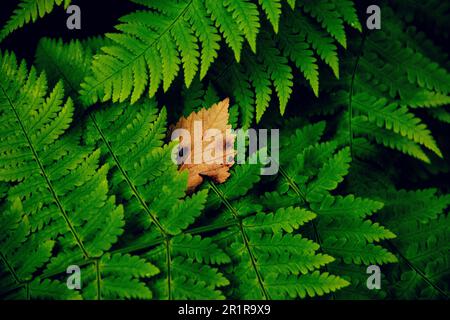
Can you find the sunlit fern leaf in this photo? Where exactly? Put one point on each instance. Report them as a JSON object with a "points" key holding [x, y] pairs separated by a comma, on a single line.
{"points": [[298, 50], [348, 13], [22, 253], [154, 195], [147, 48], [159, 210], [272, 8], [395, 118], [301, 39], [280, 72], [55, 174], [260, 258], [387, 138], [246, 15]]}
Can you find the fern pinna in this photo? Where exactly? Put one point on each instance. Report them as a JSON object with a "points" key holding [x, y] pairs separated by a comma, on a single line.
{"points": [[86, 177]]}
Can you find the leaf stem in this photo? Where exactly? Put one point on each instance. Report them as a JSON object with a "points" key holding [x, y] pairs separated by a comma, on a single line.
{"points": [[244, 238], [47, 179]]}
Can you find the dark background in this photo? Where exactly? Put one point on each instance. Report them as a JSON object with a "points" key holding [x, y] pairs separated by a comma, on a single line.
{"points": [[97, 18]]}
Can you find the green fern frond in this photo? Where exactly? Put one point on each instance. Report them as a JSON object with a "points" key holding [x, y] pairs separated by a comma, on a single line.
{"points": [[54, 171], [272, 8], [341, 227], [329, 17], [147, 49], [118, 277], [29, 11], [67, 61], [149, 52], [420, 218], [363, 127]]}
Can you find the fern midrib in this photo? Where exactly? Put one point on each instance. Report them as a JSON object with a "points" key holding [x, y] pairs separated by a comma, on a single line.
{"points": [[27, 290], [169, 269], [98, 279], [47, 179], [134, 248], [417, 270], [127, 178], [10, 268], [168, 29], [115, 158], [350, 98], [300, 194], [244, 238]]}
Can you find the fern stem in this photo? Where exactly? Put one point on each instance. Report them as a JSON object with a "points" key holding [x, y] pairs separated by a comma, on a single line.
{"points": [[299, 193], [293, 185], [225, 200], [129, 249], [253, 261], [47, 179], [127, 178], [211, 227], [302, 196], [350, 95], [417, 270], [244, 238], [116, 160], [98, 278], [27, 290], [10, 268], [169, 269]]}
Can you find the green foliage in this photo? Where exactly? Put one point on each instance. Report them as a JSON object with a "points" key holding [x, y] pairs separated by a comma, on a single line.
{"points": [[92, 184], [420, 218], [151, 42], [394, 78], [29, 11]]}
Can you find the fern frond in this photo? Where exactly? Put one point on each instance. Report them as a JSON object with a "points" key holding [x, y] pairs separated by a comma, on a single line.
{"points": [[118, 277], [341, 227], [147, 49], [420, 218], [29, 11], [329, 17], [307, 285], [67, 61], [363, 127], [272, 8], [246, 15], [61, 182]]}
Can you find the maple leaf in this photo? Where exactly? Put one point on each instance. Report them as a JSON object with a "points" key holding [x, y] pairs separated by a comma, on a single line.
{"points": [[206, 144]]}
